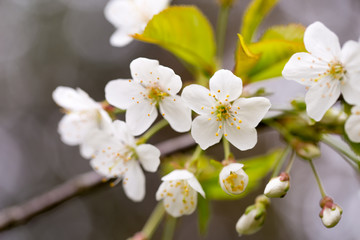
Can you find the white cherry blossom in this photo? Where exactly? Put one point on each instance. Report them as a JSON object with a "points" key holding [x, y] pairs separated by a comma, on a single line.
{"points": [[119, 157], [130, 17], [352, 125], [179, 192], [83, 117], [152, 86], [233, 179], [222, 112], [327, 70]]}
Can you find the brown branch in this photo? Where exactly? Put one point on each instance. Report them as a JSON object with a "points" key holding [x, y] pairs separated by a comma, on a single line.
{"points": [[80, 185]]}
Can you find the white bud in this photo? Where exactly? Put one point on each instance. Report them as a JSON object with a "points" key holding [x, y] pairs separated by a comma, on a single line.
{"points": [[330, 216], [233, 179], [251, 221], [278, 186]]}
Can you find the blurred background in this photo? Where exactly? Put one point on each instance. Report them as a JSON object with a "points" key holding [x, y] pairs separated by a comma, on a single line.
{"points": [[47, 43]]}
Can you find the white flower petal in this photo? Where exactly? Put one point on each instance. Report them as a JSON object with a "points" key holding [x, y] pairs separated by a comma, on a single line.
{"points": [[206, 132], [179, 198], [121, 37], [139, 117], [73, 127], [107, 162], [153, 7], [144, 70], [121, 13], [351, 93], [243, 138], [321, 97], [160, 192], [149, 157], [123, 93], [178, 175], [321, 42], [251, 110], [225, 85], [168, 80], [194, 183], [134, 181], [350, 56], [73, 100], [122, 133], [304, 68], [233, 179], [352, 125], [176, 113], [198, 99], [93, 141]]}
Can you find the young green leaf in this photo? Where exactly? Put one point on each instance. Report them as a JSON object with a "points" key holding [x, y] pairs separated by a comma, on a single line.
{"points": [[185, 32], [254, 15], [245, 60]]}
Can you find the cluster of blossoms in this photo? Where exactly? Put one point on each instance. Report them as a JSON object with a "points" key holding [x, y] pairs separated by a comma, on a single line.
{"points": [[327, 71], [116, 154], [222, 114]]}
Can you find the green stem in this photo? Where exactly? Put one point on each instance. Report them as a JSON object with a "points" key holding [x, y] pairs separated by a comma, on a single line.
{"points": [[153, 221], [321, 188], [344, 150], [281, 161], [221, 31], [169, 229], [226, 148], [291, 161], [154, 129]]}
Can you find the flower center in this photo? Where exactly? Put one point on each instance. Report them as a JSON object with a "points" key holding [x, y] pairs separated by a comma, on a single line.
{"points": [[223, 112], [337, 70], [234, 183], [156, 95]]}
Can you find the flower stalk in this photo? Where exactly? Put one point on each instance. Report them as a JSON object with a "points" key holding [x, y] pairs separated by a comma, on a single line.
{"points": [[153, 130], [169, 229], [344, 150], [227, 152], [153, 221], [221, 31], [281, 161], [321, 188]]}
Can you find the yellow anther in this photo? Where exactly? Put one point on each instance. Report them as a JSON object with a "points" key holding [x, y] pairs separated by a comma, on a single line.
{"points": [[216, 134], [218, 91], [238, 127]]}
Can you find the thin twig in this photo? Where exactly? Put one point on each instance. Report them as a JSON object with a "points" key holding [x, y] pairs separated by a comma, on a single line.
{"points": [[80, 185]]}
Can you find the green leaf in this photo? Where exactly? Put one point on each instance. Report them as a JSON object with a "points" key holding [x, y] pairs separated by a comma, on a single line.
{"points": [[245, 60], [256, 168], [292, 32], [185, 32], [203, 213], [254, 15], [266, 59], [274, 55]]}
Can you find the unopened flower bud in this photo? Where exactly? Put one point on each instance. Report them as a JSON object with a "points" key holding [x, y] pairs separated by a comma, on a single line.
{"points": [[233, 179], [278, 186], [308, 150], [251, 221], [331, 213]]}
